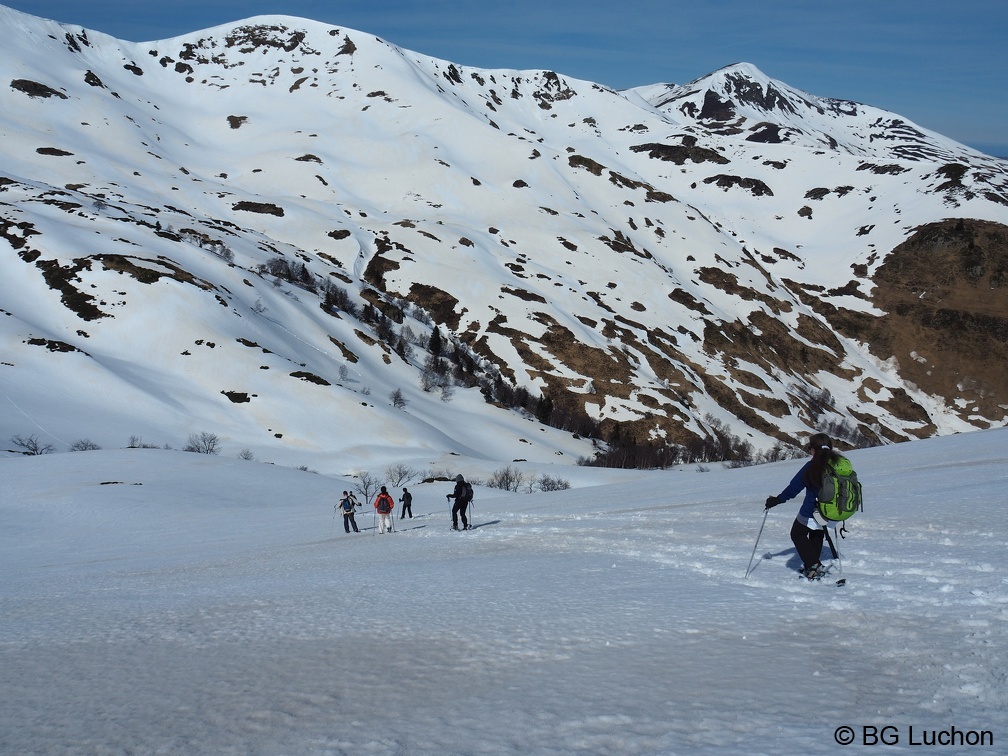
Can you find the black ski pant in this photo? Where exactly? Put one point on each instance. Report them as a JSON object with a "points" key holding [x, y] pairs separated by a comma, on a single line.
{"points": [[808, 542], [406, 508], [460, 509], [348, 520]]}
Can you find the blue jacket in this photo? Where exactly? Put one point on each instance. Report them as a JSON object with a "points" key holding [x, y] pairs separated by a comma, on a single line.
{"points": [[794, 488]]}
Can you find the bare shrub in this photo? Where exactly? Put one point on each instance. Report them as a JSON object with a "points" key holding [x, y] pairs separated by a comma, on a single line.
{"points": [[441, 475], [84, 444], [203, 443], [548, 483], [420, 315], [435, 373], [508, 478], [779, 453], [844, 430], [818, 401]]}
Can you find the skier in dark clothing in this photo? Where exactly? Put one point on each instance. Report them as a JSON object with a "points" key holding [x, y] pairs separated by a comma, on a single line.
{"points": [[807, 532], [462, 495], [407, 504], [348, 504]]}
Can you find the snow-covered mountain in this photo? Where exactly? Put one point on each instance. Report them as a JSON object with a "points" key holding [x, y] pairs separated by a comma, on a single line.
{"points": [[253, 229]]}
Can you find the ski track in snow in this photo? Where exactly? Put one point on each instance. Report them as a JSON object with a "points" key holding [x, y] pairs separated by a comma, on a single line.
{"points": [[193, 605]]}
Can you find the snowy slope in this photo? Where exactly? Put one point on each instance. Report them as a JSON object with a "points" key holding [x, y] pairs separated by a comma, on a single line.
{"points": [[161, 602], [635, 254]]}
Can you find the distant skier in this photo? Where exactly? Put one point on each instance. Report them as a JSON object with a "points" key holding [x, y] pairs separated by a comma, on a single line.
{"points": [[462, 495], [348, 504], [807, 533], [385, 506], [407, 504]]}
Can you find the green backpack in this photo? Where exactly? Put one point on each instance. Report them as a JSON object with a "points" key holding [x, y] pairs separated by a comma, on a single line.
{"points": [[840, 495]]}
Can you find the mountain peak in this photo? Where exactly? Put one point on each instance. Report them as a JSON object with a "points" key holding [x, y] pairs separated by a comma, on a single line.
{"points": [[741, 86], [742, 68]]}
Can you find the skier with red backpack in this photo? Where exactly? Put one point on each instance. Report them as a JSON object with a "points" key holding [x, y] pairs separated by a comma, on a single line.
{"points": [[384, 505]]}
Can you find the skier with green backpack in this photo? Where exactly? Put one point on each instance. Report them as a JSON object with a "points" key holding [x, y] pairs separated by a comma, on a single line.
{"points": [[832, 494]]}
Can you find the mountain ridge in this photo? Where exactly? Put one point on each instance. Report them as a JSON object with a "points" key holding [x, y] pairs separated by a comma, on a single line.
{"points": [[666, 260]]}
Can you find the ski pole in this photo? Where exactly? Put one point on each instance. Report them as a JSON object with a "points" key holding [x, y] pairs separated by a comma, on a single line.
{"points": [[756, 545], [332, 525], [833, 549]]}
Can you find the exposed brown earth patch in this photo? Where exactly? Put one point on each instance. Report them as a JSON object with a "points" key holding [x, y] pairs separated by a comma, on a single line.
{"points": [[347, 354], [53, 345], [440, 304], [266, 208], [62, 278], [380, 263], [35, 89], [679, 154], [944, 294], [134, 267], [310, 377], [528, 296]]}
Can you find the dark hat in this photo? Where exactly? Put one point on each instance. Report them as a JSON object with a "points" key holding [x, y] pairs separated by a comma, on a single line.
{"points": [[459, 478], [820, 441]]}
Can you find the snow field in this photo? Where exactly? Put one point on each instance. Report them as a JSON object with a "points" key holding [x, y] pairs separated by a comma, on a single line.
{"points": [[158, 601]]}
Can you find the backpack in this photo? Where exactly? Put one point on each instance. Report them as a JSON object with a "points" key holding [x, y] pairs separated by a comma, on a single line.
{"points": [[385, 504], [347, 505], [840, 495], [468, 492]]}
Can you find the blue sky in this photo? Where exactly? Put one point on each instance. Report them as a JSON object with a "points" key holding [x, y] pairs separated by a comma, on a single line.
{"points": [[941, 64]]}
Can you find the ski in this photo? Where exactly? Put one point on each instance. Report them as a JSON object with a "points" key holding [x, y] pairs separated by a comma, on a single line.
{"points": [[839, 583], [818, 577]]}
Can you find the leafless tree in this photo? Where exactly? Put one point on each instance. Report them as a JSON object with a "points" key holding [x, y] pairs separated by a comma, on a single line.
{"points": [[32, 445], [397, 399], [399, 474], [367, 486]]}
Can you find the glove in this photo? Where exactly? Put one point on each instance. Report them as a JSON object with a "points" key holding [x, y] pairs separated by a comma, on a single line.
{"points": [[772, 501]]}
